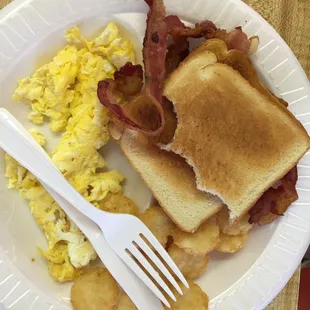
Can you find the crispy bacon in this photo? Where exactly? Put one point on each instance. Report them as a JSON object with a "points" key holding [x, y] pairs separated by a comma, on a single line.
{"points": [[238, 40], [129, 80], [275, 201], [174, 22], [154, 52], [219, 34], [177, 29], [144, 112], [179, 49], [177, 52], [289, 182]]}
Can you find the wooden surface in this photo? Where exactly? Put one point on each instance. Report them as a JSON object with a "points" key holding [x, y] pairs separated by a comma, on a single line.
{"points": [[288, 298], [291, 18]]}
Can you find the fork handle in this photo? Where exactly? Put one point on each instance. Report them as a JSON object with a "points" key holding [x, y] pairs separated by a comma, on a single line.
{"points": [[16, 143]]}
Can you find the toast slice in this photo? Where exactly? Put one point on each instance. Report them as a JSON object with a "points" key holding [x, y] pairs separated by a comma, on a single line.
{"points": [[238, 141], [238, 61], [171, 180]]}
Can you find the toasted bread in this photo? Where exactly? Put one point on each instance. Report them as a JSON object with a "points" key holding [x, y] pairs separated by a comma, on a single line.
{"points": [[238, 140], [238, 61], [171, 181]]}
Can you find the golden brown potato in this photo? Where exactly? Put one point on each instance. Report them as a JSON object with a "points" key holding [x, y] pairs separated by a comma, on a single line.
{"points": [[237, 228], [158, 222], [192, 266], [125, 303], [95, 289], [201, 242], [118, 203], [231, 244], [193, 299]]}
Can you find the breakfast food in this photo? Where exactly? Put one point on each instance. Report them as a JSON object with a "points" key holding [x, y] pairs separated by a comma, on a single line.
{"points": [[68, 249], [147, 114], [64, 92], [145, 111], [192, 266], [158, 222], [203, 241], [276, 200], [193, 298], [171, 181], [239, 61], [48, 91], [118, 203], [211, 135], [239, 227], [217, 137], [231, 244], [231, 117], [125, 303], [226, 50], [95, 289], [229, 48]]}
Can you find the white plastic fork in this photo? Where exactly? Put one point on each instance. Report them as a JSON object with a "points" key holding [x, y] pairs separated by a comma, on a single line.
{"points": [[122, 232], [141, 295]]}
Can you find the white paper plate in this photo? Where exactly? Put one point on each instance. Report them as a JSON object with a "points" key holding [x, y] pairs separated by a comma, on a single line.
{"points": [[31, 31]]}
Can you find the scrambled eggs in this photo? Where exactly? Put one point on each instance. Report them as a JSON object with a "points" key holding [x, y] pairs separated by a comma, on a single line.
{"points": [[65, 92]]}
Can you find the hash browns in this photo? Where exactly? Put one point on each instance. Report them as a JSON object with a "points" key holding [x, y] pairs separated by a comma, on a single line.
{"points": [[95, 289], [203, 241]]}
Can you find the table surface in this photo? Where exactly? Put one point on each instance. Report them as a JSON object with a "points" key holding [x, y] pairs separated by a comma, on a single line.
{"points": [[291, 18]]}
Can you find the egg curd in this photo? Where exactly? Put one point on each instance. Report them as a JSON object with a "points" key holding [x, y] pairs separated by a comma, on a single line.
{"points": [[64, 93]]}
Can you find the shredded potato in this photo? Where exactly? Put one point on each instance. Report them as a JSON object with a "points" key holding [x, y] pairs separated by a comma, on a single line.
{"points": [[233, 229], [95, 289], [203, 241], [158, 222], [118, 203], [125, 303], [192, 299], [231, 244], [191, 266]]}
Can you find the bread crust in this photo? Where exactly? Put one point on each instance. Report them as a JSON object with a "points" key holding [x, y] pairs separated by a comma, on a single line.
{"points": [[238, 141], [171, 180]]}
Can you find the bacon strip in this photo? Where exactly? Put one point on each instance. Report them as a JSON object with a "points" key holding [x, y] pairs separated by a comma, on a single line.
{"points": [[129, 80], [155, 49], [144, 112], [238, 40], [177, 29], [174, 22], [275, 201], [177, 52]]}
